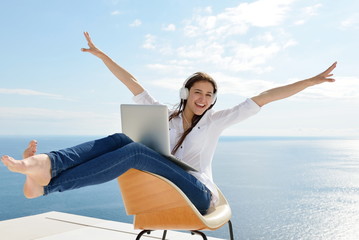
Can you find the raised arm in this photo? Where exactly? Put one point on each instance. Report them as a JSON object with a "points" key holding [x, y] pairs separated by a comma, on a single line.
{"points": [[125, 77], [291, 89]]}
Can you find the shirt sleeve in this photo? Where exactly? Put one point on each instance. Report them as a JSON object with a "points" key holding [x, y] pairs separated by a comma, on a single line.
{"points": [[145, 98], [236, 114]]}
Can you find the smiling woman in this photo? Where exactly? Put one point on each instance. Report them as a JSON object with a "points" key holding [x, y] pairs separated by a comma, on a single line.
{"points": [[198, 94], [194, 132]]}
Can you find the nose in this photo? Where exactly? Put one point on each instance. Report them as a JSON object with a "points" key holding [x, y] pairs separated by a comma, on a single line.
{"points": [[202, 98]]}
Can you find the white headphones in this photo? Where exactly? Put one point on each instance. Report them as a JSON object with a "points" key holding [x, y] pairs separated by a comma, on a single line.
{"points": [[184, 92]]}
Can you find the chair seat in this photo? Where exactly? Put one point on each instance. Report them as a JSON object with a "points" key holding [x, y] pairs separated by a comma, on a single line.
{"points": [[157, 203]]}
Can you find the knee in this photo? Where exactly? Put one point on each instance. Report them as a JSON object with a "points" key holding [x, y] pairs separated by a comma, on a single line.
{"points": [[121, 138], [135, 147]]}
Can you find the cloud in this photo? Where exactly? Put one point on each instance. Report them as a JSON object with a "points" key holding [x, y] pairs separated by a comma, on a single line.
{"points": [[149, 42], [290, 43], [249, 57], [350, 22], [300, 22], [136, 23], [29, 92], [114, 13], [312, 10], [216, 40], [169, 27], [266, 37], [307, 13], [242, 57], [241, 86], [166, 68], [239, 19], [345, 87], [260, 13], [170, 83]]}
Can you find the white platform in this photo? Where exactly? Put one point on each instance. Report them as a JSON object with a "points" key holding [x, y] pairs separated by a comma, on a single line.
{"points": [[64, 226]]}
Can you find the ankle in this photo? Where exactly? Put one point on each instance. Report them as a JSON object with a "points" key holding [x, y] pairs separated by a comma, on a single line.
{"points": [[32, 189]]}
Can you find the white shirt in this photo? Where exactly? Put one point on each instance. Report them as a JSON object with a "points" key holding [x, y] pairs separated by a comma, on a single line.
{"points": [[198, 147]]}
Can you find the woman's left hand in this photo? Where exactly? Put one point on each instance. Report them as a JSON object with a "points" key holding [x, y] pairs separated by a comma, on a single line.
{"points": [[324, 76], [294, 88]]}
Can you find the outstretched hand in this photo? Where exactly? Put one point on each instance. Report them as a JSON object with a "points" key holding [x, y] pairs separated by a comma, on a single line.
{"points": [[92, 48], [325, 76], [294, 88]]}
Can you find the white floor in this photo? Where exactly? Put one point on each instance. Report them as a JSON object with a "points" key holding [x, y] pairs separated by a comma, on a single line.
{"points": [[64, 226]]}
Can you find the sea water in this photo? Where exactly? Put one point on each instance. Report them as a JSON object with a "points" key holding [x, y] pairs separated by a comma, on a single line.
{"points": [[278, 187]]}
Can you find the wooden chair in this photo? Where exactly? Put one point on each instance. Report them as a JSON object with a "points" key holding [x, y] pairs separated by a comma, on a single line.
{"points": [[158, 204]]}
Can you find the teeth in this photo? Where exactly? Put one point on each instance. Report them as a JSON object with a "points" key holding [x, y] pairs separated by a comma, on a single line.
{"points": [[201, 105]]}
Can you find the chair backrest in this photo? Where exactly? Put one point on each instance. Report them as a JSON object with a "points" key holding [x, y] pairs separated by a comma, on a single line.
{"points": [[159, 204]]}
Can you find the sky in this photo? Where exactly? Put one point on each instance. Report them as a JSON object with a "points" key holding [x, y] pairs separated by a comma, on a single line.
{"points": [[49, 87]]}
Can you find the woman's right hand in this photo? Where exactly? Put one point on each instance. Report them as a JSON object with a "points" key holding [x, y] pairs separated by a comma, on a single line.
{"points": [[92, 48], [122, 74]]}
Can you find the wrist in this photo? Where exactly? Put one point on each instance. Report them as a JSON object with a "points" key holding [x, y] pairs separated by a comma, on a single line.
{"points": [[310, 82], [102, 55]]}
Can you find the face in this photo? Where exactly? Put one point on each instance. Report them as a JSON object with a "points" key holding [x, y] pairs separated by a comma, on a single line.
{"points": [[200, 98]]}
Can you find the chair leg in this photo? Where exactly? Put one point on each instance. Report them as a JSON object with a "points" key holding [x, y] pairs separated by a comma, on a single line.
{"points": [[230, 230], [164, 235], [141, 233], [199, 233], [148, 232], [192, 232]]}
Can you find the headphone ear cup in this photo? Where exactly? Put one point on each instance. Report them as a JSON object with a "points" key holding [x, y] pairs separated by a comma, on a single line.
{"points": [[184, 93]]}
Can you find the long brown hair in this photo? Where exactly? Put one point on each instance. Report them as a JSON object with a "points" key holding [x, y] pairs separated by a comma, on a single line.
{"points": [[197, 77]]}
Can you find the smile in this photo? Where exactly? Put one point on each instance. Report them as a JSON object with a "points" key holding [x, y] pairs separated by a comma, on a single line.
{"points": [[201, 105]]}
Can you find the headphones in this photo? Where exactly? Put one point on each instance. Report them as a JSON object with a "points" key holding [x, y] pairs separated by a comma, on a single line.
{"points": [[184, 92]]}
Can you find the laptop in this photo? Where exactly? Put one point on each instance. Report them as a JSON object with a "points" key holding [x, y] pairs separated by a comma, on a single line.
{"points": [[148, 124]]}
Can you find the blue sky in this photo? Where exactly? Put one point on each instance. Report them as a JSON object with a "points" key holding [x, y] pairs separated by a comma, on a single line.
{"points": [[49, 87]]}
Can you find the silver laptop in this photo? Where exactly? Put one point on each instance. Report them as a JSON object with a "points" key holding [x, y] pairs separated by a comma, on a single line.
{"points": [[148, 124]]}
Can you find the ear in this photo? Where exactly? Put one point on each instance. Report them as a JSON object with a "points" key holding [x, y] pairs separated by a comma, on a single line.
{"points": [[184, 92]]}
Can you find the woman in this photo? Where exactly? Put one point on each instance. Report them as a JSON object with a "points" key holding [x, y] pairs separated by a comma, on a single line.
{"points": [[194, 132]]}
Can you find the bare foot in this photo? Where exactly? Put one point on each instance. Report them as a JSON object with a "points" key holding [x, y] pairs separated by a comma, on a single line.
{"points": [[37, 167], [32, 189], [30, 150]]}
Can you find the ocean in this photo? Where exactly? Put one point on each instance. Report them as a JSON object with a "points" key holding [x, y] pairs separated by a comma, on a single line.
{"points": [[278, 187]]}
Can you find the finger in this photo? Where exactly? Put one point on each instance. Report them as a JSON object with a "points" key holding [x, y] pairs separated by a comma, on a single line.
{"points": [[332, 66], [330, 69], [87, 36], [90, 43]]}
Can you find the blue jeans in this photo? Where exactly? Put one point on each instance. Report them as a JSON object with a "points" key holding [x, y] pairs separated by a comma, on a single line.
{"points": [[105, 159]]}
